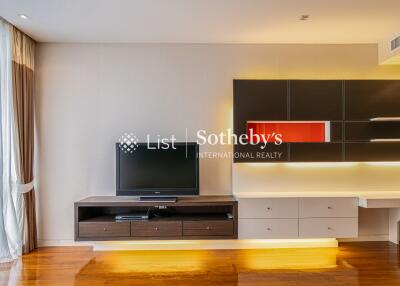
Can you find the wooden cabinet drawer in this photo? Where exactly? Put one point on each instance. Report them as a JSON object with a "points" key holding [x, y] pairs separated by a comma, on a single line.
{"points": [[328, 227], [328, 207], [316, 152], [268, 228], [156, 228], [104, 229], [200, 228], [372, 151], [306, 102], [367, 99], [268, 208]]}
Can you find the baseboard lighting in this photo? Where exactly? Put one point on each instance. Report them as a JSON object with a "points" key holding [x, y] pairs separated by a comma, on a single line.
{"points": [[156, 242], [215, 244], [382, 164], [292, 243]]}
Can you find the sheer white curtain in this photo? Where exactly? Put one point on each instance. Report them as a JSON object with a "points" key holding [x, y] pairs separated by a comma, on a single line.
{"points": [[10, 238]]}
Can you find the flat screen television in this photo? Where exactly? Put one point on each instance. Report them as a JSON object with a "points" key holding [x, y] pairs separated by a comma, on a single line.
{"points": [[158, 172]]}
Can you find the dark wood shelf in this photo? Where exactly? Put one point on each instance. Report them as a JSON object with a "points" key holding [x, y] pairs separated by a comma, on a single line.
{"points": [[129, 201], [175, 217], [202, 217]]}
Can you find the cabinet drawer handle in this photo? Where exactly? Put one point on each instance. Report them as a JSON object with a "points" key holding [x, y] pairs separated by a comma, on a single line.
{"points": [[329, 208], [268, 208], [329, 228], [269, 229], [208, 227], [104, 229], [156, 228]]}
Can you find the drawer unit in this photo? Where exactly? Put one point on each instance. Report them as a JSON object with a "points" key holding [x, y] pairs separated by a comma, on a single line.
{"points": [[328, 207], [268, 208], [268, 228], [192, 217], [208, 228], [156, 228], [328, 227], [104, 229]]}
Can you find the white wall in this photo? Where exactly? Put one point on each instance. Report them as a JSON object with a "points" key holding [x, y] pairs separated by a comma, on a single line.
{"points": [[386, 56], [89, 94], [344, 178]]}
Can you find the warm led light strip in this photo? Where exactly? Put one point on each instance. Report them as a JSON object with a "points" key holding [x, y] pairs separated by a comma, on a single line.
{"points": [[304, 164], [385, 140], [385, 119], [321, 164], [215, 244]]}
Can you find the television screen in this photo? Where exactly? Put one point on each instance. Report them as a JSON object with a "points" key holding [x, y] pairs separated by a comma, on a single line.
{"points": [[158, 172]]}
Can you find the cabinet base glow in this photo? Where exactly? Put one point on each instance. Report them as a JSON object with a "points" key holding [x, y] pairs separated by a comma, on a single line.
{"points": [[215, 244]]}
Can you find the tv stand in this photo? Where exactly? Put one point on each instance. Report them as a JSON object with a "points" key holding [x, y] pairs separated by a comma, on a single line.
{"points": [[158, 199], [201, 217]]}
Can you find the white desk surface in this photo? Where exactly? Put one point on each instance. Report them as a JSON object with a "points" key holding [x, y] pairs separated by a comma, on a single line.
{"points": [[378, 199]]}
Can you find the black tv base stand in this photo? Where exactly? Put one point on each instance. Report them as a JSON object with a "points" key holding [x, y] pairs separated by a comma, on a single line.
{"points": [[159, 199]]}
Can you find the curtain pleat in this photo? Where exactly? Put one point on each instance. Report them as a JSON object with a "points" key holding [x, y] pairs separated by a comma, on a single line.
{"points": [[23, 95], [10, 234], [30, 242]]}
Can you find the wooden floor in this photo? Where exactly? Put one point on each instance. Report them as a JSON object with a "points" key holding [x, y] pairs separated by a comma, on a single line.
{"points": [[375, 263]]}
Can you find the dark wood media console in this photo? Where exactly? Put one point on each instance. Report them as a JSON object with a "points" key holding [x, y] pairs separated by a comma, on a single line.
{"points": [[202, 217]]}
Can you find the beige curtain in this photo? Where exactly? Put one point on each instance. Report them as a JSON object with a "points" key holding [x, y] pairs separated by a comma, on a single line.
{"points": [[23, 95]]}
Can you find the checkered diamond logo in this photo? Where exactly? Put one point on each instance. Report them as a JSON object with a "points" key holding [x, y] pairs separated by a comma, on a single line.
{"points": [[128, 143]]}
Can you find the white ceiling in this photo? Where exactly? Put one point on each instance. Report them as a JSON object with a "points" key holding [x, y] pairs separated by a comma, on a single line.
{"points": [[205, 21]]}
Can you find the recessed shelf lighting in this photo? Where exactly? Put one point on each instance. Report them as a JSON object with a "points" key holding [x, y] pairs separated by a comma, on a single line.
{"points": [[304, 17], [23, 16], [375, 119], [385, 140]]}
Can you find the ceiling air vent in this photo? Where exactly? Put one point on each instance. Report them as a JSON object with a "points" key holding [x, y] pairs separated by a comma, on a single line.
{"points": [[395, 43]]}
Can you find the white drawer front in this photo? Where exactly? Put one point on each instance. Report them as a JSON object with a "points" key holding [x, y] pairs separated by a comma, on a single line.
{"points": [[268, 228], [328, 207], [268, 208], [328, 227]]}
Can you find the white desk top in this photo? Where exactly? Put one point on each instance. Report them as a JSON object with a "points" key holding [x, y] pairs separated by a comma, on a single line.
{"points": [[378, 199]]}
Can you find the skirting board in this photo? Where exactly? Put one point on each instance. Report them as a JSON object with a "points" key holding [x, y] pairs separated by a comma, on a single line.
{"points": [[197, 244], [62, 242], [379, 237]]}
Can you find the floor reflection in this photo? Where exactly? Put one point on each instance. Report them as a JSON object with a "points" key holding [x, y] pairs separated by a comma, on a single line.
{"points": [[246, 267], [10, 273], [350, 265], [164, 267]]}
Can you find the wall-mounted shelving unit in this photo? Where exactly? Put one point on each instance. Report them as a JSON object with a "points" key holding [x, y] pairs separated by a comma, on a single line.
{"points": [[364, 117]]}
